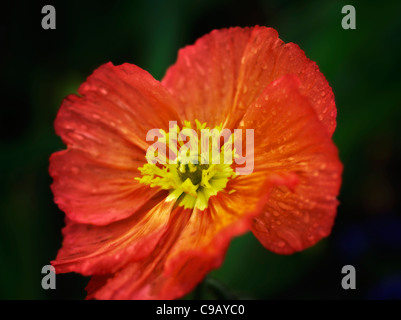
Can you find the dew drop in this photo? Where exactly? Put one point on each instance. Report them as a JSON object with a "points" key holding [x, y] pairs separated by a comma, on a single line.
{"points": [[200, 69], [281, 244], [188, 62], [76, 136], [291, 236], [297, 213]]}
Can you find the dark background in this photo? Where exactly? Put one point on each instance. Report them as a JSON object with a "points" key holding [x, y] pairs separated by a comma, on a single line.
{"points": [[39, 67]]}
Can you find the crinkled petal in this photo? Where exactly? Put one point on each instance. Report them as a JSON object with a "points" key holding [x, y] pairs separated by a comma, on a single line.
{"points": [[123, 101], [105, 130], [195, 243], [90, 249], [290, 140], [139, 280], [216, 79], [89, 191]]}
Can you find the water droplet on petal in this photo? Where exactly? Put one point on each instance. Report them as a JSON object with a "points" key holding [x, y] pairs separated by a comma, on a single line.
{"points": [[76, 136], [291, 236]]}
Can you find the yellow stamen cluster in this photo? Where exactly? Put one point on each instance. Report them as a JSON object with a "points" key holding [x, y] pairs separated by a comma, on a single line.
{"points": [[191, 183]]}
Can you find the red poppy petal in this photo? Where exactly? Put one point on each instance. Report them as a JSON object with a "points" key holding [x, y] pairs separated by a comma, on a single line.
{"points": [[141, 279], [313, 84], [205, 238], [195, 243], [218, 77], [92, 192], [289, 139], [90, 249], [204, 78], [105, 130], [116, 102]]}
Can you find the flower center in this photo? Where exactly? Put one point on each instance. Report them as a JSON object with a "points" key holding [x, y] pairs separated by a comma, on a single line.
{"points": [[191, 171], [194, 170]]}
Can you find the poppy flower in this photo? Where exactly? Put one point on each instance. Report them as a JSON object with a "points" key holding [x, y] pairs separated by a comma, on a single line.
{"points": [[151, 230]]}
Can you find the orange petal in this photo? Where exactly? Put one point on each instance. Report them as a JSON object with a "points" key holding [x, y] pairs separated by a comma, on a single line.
{"points": [[216, 79], [195, 243], [290, 140], [141, 279], [105, 130], [89, 191], [116, 101], [90, 249]]}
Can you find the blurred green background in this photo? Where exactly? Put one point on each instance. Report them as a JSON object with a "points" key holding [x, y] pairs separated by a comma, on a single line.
{"points": [[39, 67]]}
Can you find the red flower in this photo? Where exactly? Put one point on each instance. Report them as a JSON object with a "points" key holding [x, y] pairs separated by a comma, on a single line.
{"points": [[147, 231]]}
